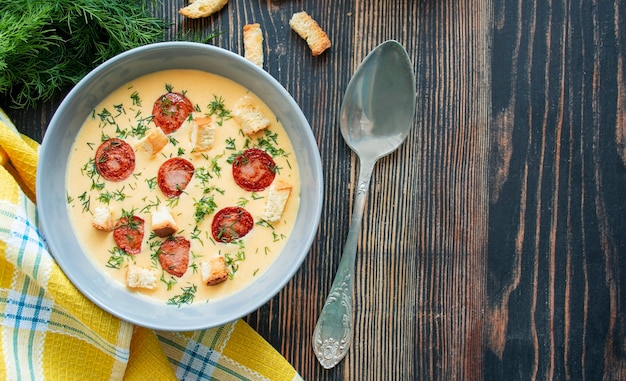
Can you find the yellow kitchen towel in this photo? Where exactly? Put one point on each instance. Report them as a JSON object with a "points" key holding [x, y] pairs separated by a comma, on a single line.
{"points": [[50, 331]]}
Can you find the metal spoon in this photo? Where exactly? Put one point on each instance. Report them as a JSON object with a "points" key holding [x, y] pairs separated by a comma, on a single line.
{"points": [[376, 116]]}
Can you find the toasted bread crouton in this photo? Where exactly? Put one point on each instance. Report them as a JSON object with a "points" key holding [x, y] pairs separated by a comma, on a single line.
{"points": [[253, 44], [276, 200], [163, 224], [249, 117], [202, 8], [154, 142], [310, 31], [141, 277], [103, 219], [214, 271], [202, 134]]}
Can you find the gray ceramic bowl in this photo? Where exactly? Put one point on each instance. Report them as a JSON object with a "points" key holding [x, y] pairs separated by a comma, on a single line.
{"points": [[51, 194]]}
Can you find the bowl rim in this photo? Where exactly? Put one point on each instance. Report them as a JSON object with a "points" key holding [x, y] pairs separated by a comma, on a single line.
{"points": [[138, 309]]}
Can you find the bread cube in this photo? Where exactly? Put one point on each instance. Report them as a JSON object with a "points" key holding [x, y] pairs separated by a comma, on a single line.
{"points": [[141, 277], [214, 271], [202, 134], [103, 219], [163, 223], [154, 142], [276, 200], [249, 117]]}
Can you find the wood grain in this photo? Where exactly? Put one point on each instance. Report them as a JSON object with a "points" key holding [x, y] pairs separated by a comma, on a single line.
{"points": [[493, 240], [556, 301]]}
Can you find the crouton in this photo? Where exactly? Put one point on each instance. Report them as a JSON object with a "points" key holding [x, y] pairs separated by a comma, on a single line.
{"points": [[253, 44], [202, 134], [276, 200], [310, 31], [163, 224], [214, 271], [141, 277], [154, 142], [202, 8], [103, 219], [249, 117]]}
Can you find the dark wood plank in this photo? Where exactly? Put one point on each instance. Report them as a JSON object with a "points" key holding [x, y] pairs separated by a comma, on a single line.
{"points": [[557, 217]]}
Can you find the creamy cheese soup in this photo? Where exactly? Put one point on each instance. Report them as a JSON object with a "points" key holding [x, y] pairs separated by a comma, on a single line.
{"points": [[127, 117]]}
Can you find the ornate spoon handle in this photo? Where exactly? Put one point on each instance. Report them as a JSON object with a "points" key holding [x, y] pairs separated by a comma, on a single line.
{"points": [[333, 333]]}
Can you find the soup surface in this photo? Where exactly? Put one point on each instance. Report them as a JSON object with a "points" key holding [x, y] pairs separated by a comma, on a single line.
{"points": [[216, 194]]}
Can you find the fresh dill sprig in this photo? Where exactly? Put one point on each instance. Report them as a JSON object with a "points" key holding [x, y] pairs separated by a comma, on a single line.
{"points": [[46, 46]]}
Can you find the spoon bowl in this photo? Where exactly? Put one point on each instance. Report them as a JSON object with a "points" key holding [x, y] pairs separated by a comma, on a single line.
{"points": [[378, 108], [376, 117]]}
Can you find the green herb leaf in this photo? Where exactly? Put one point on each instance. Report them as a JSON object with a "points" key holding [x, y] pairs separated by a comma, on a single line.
{"points": [[46, 46], [186, 297], [204, 207]]}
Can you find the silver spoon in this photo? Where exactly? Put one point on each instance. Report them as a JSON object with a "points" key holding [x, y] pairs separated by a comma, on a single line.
{"points": [[376, 116]]}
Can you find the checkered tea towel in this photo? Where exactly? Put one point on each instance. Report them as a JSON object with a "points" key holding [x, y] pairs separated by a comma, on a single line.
{"points": [[50, 331]]}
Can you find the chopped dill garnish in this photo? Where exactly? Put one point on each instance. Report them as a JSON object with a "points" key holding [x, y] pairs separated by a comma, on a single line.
{"points": [[277, 237], [186, 297], [195, 234], [172, 202], [117, 258], [204, 207], [168, 283], [85, 200], [215, 167], [135, 98], [264, 223], [106, 117], [152, 183], [216, 107], [230, 144], [269, 144], [140, 129], [146, 208], [120, 109], [118, 195]]}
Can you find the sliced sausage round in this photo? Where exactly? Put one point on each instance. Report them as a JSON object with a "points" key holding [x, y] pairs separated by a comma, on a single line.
{"points": [[174, 175], [128, 234], [174, 255], [231, 223], [115, 159], [170, 110], [254, 170]]}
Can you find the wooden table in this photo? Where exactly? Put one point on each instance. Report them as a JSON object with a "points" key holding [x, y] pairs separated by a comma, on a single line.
{"points": [[493, 241]]}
